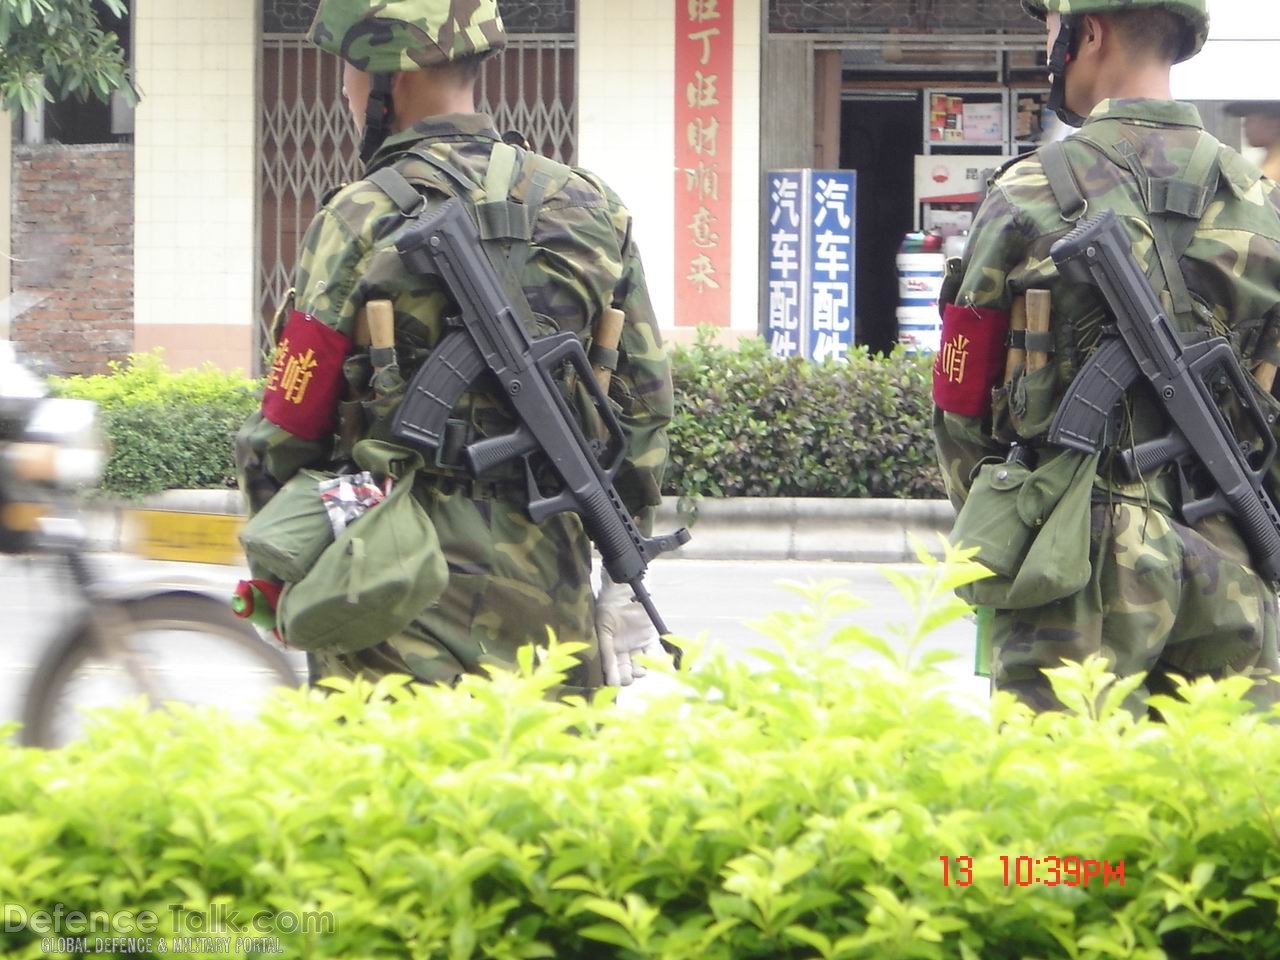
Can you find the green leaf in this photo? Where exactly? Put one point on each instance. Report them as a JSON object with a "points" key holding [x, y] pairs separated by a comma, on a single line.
{"points": [[608, 933], [813, 938]]}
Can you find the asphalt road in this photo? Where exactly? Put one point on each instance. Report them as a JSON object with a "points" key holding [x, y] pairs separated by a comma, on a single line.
{"points": [[720, 600]]}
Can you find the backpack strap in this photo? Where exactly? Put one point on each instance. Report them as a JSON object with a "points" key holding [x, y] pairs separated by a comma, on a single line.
{"points": [[463, 186], [498, 215], [505, 223], [1062, 181], [1174, 205], [1174, 208], [402, 193], [1187, 196]]}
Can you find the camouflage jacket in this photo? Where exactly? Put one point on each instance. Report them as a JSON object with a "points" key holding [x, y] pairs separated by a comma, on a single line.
{"points": [[1231, 267], [582, 245]]}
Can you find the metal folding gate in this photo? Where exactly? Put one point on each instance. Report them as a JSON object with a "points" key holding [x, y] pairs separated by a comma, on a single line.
{"points": [[308, 142]]}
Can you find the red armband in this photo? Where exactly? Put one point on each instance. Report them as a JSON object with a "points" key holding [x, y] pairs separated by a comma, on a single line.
{"points": [[971, 359], [306, 378]]}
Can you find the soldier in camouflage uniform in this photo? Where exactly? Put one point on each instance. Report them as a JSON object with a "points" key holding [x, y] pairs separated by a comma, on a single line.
{"points": [[1156, 596], [1262, 130], [411, 72]]}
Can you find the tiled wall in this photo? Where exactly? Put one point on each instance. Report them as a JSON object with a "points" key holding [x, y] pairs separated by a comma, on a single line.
{"points": [[195, 145], [626, 131], [6, 162], [746, 165]]}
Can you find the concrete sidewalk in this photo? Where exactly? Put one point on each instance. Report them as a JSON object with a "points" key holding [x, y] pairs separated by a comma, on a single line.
{"points": [[742, 528]]}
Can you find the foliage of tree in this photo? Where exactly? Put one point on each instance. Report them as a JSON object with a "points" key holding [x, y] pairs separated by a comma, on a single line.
{"points": [[54, 49]]}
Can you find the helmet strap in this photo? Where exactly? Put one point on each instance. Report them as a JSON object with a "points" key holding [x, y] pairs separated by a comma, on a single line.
{"points": [[1064, 51], [377, 118]]}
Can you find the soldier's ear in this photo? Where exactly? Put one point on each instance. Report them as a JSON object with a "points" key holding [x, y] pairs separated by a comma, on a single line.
{"points": [[401, 90], [1095, 31], [400, 86]]}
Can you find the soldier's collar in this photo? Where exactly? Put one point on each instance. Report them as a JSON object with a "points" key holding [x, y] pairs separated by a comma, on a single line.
{"points": [[1160, 112], [448, 125]]}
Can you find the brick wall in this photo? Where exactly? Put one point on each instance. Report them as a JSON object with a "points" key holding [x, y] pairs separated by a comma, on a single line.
{"points": [[72, 222]]}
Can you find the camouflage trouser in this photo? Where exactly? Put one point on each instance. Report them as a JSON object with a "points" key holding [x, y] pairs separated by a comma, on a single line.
{"points": [[1162, 599], [509, 581]]}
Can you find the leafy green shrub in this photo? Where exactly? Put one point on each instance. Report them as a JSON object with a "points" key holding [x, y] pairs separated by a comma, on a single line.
{"points": [[746, 424], [789, 806], [167, 430], [750, 424]]}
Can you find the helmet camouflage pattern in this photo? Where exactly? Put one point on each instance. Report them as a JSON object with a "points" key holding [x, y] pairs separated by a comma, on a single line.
{"points": [[393, 36], [1194, 12]]}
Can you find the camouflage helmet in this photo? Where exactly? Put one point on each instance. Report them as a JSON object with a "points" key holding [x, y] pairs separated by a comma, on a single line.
{"points": [[394, 36], [1194, 12]]}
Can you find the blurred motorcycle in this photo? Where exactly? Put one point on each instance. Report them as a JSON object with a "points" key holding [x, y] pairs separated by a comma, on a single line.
{"points": [[167, 639]]}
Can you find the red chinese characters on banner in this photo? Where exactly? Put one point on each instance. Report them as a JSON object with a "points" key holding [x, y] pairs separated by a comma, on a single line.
{"points": [[704, 160]]}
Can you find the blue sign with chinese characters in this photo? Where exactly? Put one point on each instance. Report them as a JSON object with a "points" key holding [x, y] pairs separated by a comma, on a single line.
{"points": [[812, 219], [785, 249], [829, 243]]}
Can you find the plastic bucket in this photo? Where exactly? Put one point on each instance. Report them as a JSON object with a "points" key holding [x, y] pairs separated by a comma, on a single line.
{"points": [[920, 329], [920, 278]]}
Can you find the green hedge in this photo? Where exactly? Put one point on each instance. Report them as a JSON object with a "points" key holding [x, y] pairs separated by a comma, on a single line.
{"points": [[791, 807], [746, 424], [167, 430], [750, 425]]}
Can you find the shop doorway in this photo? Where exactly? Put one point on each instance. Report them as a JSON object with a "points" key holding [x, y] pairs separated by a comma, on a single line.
{"points": [[880, 136]]}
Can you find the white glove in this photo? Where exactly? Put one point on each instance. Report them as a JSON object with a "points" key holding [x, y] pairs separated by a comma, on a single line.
{"points": [[624, 629]]}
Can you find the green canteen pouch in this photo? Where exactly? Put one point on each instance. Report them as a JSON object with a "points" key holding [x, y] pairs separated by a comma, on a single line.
{"points": [[989, 519], [284, 539], [380, 572], [1031, 528]]}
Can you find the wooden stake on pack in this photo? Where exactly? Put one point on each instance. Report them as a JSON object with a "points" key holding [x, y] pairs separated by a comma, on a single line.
{"points": [[1017, 321], [382, 324], [1265, 374], [1039, 306], [608, 334], [361, 335]]}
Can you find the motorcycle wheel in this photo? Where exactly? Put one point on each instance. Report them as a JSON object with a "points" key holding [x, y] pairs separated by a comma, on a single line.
{"points": [[223, 656]]}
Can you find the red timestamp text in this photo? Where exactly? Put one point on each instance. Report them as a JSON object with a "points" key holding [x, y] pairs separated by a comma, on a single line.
{"points": [[1047, 871]]}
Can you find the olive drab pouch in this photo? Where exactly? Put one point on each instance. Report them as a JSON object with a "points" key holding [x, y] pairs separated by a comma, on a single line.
{"points": [[284, 539], [380, 572], [1031, 528]]}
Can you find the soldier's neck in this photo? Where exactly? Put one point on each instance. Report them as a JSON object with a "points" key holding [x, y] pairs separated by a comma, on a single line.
{"points": [[421, 101], [1129, 81]]}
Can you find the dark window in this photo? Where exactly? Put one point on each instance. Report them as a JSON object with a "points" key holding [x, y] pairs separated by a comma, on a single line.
{"points": [[911, 16], [90, 120]]}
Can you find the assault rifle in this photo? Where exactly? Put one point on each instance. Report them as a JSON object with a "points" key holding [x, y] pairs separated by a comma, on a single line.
{"points": [[1099, 253], [488, 335]]}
